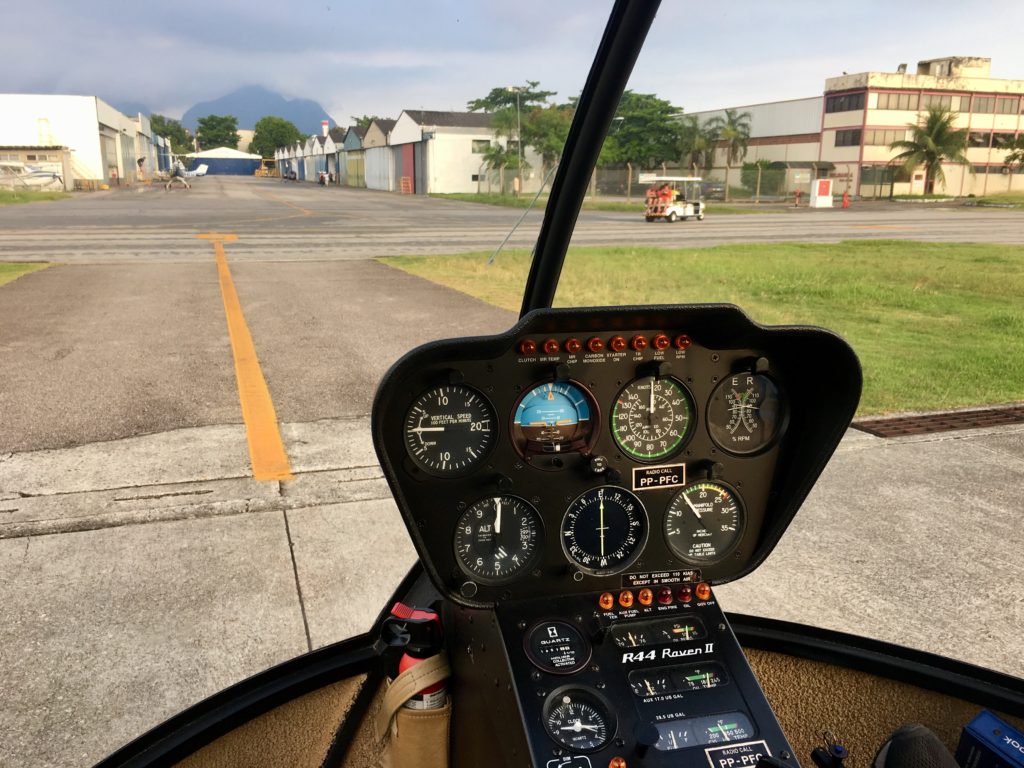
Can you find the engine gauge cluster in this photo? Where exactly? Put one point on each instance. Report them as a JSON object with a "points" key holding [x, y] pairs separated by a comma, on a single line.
{"points": [[584, 446]]}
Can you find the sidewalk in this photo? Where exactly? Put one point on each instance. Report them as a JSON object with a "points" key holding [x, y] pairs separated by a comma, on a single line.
{"points": [[141, 575]]}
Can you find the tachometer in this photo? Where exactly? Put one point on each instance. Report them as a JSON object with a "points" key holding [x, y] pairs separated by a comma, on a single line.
{"points": [[604, 530], [745, 413], [498, 538], [651, 418], [557, 417], [704, 522], [449, 430]]}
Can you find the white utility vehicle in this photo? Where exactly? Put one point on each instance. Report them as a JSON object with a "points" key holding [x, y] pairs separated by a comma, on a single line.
{"points": [[672, 197]]}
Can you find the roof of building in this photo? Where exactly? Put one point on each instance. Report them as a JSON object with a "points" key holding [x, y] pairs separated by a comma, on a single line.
{"points": [[385, 124], [320, 139], [32, 146], [451, 119], [338, 134], [358, 130]]}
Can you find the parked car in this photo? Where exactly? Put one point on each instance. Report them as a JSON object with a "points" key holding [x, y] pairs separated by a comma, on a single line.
{"points": [[712, 190]]}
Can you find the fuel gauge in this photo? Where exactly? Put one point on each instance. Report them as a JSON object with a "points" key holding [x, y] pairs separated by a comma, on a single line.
{"points": [[699, 677]]}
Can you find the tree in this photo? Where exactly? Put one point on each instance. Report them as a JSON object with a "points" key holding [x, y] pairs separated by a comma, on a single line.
{"points": [[505, 98], [1015, 157], [932, 144], [545, 129], [218, 131], [272, 132], [731, 132], [644, 131], [696, 144], [173, 131], [363, 121]]}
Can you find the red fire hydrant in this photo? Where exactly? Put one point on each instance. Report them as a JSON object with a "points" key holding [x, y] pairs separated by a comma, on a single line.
{"points": [[846, 199]]}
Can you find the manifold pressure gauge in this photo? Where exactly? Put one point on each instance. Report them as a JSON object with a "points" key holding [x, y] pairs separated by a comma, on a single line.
{"points": [[704, 522], [449, 430], [498, 538]]}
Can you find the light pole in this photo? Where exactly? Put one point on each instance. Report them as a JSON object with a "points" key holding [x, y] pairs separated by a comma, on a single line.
{"points": [[517, 89]]}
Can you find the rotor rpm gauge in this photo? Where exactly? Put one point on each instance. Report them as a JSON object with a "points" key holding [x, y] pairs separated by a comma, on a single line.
{"points": [[578, 719], [651, 418], [449, 430], [704, 522], [745, 413], [498, 538], [604, 530]]}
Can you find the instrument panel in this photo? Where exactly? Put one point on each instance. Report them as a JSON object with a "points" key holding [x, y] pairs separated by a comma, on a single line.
{"points": [[584, 447]]}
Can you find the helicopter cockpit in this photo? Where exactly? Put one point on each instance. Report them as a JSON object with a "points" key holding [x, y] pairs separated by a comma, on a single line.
{"points": [[576, 487]]}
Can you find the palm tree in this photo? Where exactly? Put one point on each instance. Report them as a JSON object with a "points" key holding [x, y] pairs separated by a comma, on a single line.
{"points": [[696, 144], [931, 145], [1016, 154], [734, 132]]}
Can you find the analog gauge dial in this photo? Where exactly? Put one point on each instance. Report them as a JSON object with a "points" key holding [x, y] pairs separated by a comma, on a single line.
{"points": [[704, 522], [557, 647], [699, 677], [498, 538], [745, 413], [557, 417], [654, 683], [652, 418], [449, 430], [604, 530], [577, 719]]}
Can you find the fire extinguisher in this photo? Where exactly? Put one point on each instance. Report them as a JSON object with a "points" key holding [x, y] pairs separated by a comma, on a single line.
{"points": [[420, 632]]}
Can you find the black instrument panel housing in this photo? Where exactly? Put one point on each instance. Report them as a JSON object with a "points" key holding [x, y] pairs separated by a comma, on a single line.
{"points": [[817, 372]]}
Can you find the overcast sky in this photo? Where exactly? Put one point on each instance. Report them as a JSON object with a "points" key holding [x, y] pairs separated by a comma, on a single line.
{"points": [[380, 57]]}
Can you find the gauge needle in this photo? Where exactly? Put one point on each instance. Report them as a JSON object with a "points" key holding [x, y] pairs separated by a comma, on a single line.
{"points": [[578, 726], [601, 523], [497, 517], [427, 429], [690, 505], [652, 395]]}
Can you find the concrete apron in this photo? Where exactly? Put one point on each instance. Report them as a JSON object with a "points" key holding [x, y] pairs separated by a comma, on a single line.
{"points": [[141, 575]]}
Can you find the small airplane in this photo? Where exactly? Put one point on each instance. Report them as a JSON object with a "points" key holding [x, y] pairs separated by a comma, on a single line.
{"points": [[15, 175]]}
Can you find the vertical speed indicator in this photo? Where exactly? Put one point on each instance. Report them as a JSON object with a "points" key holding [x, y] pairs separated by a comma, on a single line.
{"points": [[449, 430]]}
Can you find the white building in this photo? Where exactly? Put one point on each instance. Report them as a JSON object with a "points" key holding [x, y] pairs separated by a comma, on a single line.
{"points": [[104, 144]]}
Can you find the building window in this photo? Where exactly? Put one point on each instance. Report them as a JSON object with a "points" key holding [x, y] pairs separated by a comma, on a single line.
{"points": [[1007, 106], [9, 158], [984, 105], [31, 157], [480, 146], [848, 138], [906, 102], [475, 177], [929, 100], [979, 138], [883, 137], [1002, 140], [846, 102]]}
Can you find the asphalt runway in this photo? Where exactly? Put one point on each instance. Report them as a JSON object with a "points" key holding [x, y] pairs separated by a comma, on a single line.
{"points": [[327, 320]]}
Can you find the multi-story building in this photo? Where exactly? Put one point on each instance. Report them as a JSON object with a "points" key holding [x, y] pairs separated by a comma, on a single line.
{"points": [[845, 133]]}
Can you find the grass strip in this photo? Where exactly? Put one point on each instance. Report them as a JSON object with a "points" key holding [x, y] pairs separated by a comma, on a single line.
{"points": [[614, 206], [936, 325], [18, 196], [9, 272]]}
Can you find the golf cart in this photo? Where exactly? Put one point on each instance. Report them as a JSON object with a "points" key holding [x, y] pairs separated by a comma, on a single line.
{"points": [[576, 488], [672, 197]]}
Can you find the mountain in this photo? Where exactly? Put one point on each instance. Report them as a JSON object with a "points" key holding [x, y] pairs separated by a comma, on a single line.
{"points": [[252, 102]]}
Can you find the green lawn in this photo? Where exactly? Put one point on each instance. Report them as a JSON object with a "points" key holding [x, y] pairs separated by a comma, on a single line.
{"points": [[936, 325], [1015, 199], [9, 272], [511, 201], [14, 197]]}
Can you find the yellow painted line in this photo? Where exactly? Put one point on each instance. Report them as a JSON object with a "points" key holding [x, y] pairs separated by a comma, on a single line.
{"points": [[266, 449]]}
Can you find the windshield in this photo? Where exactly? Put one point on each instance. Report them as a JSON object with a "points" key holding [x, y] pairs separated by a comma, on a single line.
{"points": [[209, 257]]}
